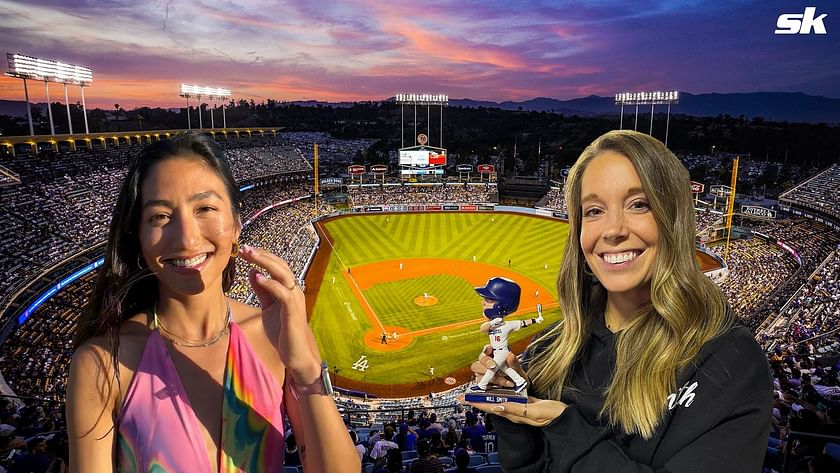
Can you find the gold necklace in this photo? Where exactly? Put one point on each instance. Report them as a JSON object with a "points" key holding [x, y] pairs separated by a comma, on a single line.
{"points": [[194, 343]]}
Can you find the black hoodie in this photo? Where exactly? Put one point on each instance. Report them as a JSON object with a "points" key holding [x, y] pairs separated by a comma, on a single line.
{"points": [[717, 421]]}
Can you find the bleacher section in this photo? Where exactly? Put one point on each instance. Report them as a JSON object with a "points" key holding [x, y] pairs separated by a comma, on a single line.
{"points": [[421, 194], [820, 194], [814, 313], [254, 163], [555, 199], [756, 269], [783, 281], [284, 230]]}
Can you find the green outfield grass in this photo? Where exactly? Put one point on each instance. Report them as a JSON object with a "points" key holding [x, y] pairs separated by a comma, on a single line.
{"points": [[339, 321]]}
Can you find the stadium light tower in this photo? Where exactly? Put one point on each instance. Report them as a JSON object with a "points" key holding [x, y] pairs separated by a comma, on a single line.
{"points": [[199, 92], [647, 98], [47, 70], [421, 99]]}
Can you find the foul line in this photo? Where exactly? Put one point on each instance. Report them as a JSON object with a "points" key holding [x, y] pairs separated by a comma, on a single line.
{"points": [[349, 276]]}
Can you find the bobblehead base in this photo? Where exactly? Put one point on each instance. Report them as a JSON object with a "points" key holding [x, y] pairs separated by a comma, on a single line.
{"points": [[496, 395]]}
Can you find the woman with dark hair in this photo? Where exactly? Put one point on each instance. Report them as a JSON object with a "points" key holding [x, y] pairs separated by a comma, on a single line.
{"points": [[649, 370], [171, 375]]}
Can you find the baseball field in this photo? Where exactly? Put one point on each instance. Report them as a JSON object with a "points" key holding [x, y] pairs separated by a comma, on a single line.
{"points": [[391, 296]]}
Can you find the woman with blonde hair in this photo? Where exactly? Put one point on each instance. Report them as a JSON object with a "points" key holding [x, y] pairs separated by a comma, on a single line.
{"points": [[649, 370]]}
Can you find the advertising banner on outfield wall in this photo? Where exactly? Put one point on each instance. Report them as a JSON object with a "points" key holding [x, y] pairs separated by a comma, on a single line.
{"points": [[468, 207], [545, 212], [451, 207], [759, 212], [486, 207]]}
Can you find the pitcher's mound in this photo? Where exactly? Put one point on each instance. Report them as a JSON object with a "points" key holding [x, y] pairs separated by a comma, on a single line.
{"points": [[425, 301]]}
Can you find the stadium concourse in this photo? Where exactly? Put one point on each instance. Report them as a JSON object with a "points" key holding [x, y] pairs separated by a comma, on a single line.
{"points": [[782, 281]]}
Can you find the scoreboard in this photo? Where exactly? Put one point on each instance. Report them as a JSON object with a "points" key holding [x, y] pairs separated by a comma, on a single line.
{"points": [[422, 157]]}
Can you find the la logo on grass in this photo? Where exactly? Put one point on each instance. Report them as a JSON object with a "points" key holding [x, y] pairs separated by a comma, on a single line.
{"points": [[801, 23]]}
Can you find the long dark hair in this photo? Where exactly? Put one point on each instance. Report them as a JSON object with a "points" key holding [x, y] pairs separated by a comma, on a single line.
{"points": [[125, 286]]}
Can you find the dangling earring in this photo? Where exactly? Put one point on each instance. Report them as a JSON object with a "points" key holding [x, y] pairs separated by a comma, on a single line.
{"points": [[140, 262], [235, 251]]}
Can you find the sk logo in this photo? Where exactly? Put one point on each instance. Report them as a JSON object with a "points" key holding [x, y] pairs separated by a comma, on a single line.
{"points": [[801, 23]]}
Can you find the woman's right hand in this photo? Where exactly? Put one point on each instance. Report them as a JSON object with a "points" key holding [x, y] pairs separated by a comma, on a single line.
{"points": [[282, 300]]}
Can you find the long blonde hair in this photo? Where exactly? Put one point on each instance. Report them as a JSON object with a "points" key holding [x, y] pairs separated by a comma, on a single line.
{"points": [[686, 310]]}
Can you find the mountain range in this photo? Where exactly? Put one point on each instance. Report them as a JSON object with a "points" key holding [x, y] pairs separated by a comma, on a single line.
{"points": [[772, 106]]}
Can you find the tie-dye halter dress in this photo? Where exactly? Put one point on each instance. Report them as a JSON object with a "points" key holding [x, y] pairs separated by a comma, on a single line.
{"points": [[159, 432]]}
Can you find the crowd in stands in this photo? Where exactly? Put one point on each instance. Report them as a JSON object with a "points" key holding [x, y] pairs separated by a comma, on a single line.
{"points": [[273, 191], [35, 358], [285, 231], [705, 219], [820, 193], [255, 162], [813, 243], [430, 194], [428, 442], [806, 414], [555, 200], [33, 437], [330, 150], [62, 206], [756, 268], [812, 317]]}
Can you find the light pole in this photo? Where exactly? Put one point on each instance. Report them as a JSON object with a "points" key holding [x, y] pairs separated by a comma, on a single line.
{"points": [[647, 98], [211, 94], [48, 70], [421, 99]]}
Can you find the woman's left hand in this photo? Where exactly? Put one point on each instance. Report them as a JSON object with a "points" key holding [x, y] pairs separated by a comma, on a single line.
{"points": [[283, 303], [536, 412]]}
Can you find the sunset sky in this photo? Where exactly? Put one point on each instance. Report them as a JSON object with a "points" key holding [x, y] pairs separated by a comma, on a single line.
{"points": [[140, 51]]}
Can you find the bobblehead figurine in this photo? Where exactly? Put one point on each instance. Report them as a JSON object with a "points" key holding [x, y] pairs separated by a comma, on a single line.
{"points": [[501, 298]]}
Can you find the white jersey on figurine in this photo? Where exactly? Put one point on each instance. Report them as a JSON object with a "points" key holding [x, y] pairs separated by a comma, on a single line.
{"points": [[501, 298]]}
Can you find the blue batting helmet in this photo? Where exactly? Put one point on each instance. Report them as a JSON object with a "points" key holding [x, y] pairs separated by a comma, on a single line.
{"points": [[506, 294]]}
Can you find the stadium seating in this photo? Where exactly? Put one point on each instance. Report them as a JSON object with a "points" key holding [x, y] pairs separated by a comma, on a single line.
{"points": [[63, 203], [756, 268], [489, 469], [820, 193], [555, 200], [427, 194]]}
